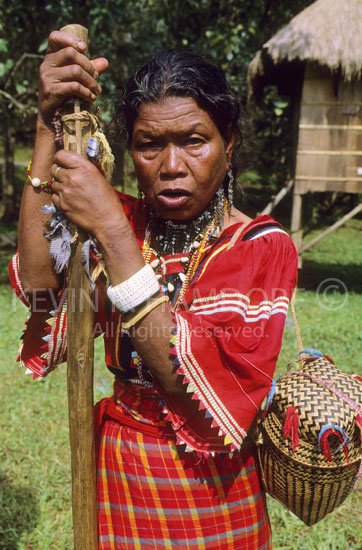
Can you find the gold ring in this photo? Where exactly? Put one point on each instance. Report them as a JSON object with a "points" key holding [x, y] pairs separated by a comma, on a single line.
{"points": [[56, 172]]}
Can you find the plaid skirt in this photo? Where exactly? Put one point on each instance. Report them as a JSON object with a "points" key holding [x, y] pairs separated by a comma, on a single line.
{"points": [[153, 495]]}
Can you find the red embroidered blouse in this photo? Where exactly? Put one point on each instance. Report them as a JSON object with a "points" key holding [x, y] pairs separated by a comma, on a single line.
{"points": [[228, 337]]}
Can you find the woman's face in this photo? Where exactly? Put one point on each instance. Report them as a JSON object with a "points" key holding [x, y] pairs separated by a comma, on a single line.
{"points": [[179, 156]]}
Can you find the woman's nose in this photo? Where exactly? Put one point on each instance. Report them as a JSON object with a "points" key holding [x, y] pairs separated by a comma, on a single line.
{"points": [[173, 164]]}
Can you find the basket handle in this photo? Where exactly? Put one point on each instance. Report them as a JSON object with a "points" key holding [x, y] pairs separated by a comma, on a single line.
{"points": [[296, 326]]}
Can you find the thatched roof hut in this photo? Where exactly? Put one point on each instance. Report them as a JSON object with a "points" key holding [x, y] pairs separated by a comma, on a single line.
{"points": [[328, 32], [317, 60]]}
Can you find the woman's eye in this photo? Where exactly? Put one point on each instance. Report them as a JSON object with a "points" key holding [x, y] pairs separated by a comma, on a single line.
{"points": [[194, 141], [149, 145]]}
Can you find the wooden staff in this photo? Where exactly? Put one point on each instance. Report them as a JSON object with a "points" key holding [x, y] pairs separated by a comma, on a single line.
{"points": [[80, 363]]}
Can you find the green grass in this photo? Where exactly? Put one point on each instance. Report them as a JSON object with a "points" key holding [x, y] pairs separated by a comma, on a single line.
{"points": [[329, 300], [329, 320], [35, 489]]}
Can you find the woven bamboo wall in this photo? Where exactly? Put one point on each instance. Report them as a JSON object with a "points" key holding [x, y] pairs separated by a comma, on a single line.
{"points": [[329, 152]]}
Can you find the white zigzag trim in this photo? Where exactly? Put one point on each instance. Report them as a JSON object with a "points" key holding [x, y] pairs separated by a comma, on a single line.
{"points": [[15, 262], [59, 335], [186, 355]]}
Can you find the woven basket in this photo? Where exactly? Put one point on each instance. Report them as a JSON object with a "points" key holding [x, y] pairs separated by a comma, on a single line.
{"points": [[310, 447]]}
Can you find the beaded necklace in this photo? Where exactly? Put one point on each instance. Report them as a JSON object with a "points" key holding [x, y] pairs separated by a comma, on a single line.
{"points": [[191, 261], [169, 237], [194, 252]]}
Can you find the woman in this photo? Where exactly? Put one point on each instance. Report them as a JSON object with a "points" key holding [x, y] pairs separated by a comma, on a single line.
{"points": [[175, 464]]}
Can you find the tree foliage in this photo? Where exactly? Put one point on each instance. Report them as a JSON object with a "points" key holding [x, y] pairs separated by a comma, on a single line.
{"points": [[127, 32]]}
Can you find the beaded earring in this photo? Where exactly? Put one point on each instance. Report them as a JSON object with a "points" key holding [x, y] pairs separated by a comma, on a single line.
{"points": [[220, 208], [230, 189], [139, 191]]}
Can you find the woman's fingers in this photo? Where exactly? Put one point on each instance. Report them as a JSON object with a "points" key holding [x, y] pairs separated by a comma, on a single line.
{"points": [[100, 64], [69, 61], [73, 51], [72, 75], [66, 163], [81, 191], [59, 92], [67, 72], [51, 96], [61, 39], [56, 201], [70, 56], [58, 83], [69, 159]]}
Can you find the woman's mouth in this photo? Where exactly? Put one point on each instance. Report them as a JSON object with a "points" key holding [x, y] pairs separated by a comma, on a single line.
{"points": [[173, 198]]}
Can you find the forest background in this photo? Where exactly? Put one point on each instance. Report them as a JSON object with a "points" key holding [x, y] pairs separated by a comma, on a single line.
{"points": [[35, 501], [228, 32]]}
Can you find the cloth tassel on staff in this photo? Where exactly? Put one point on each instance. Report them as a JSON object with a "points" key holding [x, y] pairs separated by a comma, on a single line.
{"points": [[80, 360]]}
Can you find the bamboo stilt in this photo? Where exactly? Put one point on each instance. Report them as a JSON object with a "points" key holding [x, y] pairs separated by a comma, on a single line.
{"points": [[296, 225], [333, 227], [276, 200]]}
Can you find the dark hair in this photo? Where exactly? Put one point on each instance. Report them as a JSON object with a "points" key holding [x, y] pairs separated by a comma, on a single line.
{"points": [[182, 74]]}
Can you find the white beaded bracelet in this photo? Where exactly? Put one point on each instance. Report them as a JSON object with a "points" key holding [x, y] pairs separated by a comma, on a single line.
{"points": [[135, 290]]}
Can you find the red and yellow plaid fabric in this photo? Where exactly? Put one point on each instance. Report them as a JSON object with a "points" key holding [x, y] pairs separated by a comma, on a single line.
{"points": [[152, 495]]}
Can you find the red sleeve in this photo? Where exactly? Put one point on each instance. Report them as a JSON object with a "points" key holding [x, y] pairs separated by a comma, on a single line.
{"points": [[229, 337], [44, 339], [14, 278]]}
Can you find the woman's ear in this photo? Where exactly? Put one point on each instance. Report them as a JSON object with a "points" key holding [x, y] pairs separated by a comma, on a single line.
{"points": [[230, 144]]}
